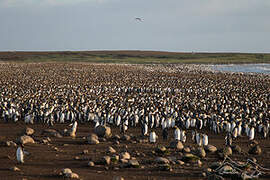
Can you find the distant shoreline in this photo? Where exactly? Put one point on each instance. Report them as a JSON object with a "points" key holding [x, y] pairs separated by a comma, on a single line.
{"points": [[135, 57]]}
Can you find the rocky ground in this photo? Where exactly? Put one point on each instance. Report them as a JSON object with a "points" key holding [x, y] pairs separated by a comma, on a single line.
{"points": [[49, 155]]}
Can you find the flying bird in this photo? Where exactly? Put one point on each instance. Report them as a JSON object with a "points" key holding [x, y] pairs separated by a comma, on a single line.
{"points": [[139, 19]]}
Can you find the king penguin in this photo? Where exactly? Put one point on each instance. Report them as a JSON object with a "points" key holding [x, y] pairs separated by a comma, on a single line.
{"points": [[183, 136], [205, 140], [19, 155], [251, 133], [165, 133], [74, 129], [177, 134], [235, 132], [144, 129], [153, 137], [228, 139]]}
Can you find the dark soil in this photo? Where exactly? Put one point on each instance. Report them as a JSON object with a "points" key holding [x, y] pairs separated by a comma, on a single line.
{"points": [[44, 162]]}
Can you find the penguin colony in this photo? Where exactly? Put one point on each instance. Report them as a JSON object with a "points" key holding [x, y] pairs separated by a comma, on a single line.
{"points": [[119, 96], [180, 99]]}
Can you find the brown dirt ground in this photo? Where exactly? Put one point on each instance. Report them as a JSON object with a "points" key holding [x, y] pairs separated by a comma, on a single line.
{"points": [[45, 163]]}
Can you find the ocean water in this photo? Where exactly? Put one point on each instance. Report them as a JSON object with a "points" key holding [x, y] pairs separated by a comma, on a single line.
{"points": [[245, 68]]}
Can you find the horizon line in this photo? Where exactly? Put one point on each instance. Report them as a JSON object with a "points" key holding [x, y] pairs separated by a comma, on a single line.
{"points": [[134, 50]]}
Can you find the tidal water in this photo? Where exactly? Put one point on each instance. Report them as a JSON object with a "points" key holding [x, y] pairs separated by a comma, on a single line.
{"points": [[245, 68]]}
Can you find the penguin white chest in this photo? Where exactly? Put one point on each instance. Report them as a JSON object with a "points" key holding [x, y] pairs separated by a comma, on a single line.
{"points": [[19, 155], [97, 124], [193, 123], [239, 130], [169, 123], [235, 132], [164, 125], [177, 134], [251, 134], [183, 137], [187, 124], [153, 137], [74, 129], [197, 138], [145, 130], [205, 140]]}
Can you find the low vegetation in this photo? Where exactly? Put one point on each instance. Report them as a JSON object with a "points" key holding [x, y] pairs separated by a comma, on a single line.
{"points": [[135, 57]]}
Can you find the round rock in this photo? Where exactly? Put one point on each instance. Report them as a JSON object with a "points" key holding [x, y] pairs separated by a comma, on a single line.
{"points": [[180, 162], [186, 150], [29, 131], [162, 160], [15, 168], [92, 139], [210, 148], [65, 171], [51, 133], [11, 143], [26, 140], [133, 163], [118, 178], [124, 155], [161, 150], [111, 150], [256, 150], [125, 137], [236, 148], [106, 160], [103, 131], [72, 176], [200, 152], [190, 158], [177, 145], [227, 151], [91, 164]]}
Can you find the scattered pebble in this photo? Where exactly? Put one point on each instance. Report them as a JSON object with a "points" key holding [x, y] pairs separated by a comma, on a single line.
{"points": [[111, 150], [162, 160], [29, 131], [91, 164], [26, 140], [14, 168], [125, 155]]}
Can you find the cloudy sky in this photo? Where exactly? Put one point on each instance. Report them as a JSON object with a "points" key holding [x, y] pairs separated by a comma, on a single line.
{"points": [[168, 25]]}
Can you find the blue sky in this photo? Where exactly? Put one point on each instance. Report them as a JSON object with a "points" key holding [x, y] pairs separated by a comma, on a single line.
{"points": [[172, 25]]}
